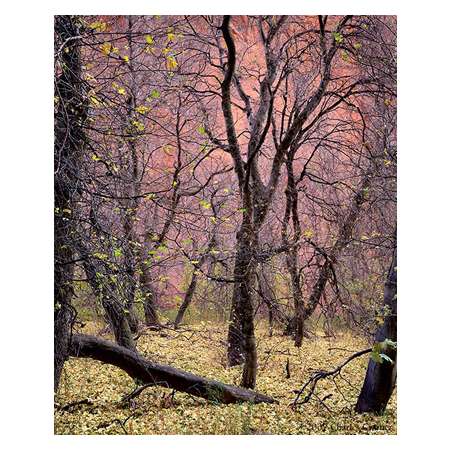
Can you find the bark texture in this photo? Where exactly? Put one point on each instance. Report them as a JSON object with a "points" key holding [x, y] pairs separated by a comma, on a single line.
{"points": [[70, 113], [149, 294], [380, 379]]}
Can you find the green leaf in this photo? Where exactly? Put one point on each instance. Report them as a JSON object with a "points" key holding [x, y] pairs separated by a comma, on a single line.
{"points": [[106, 48], [98, 26], [142, 109], [171, 62], [338, 37], [205, 204], [377, 347], [155, 93], [162, 249]]}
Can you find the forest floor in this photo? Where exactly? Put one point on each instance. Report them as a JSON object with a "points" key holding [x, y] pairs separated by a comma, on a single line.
{"points": [[201, 349]]}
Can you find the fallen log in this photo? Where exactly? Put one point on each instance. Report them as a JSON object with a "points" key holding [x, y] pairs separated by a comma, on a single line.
{"points": [[145, 371]]}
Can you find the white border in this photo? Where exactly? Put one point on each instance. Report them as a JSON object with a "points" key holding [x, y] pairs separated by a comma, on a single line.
{"points": [[27, 234]]}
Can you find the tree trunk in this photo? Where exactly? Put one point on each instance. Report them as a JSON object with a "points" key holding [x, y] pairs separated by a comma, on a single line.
{"points": [[298, 320], [69, 138], [318, 288], [265, 287], [381, 377], [291, 211], [299, 325], [149, 297], [193, 284], [187, 299], [132, 189], [115, 313], [241, 332], [85, 346], [129, 279], [119, 323]]}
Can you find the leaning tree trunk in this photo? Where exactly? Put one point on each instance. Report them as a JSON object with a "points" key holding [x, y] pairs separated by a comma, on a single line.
{"points": [[343, 239], [187, 300], [114, 311], [381, 377], [150, 373], [189, 295], [70, 114], [116, 317]]}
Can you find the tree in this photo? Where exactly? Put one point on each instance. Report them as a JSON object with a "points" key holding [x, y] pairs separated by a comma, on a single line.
{"points": [[70, 115], [381, 374], [257, 196]]}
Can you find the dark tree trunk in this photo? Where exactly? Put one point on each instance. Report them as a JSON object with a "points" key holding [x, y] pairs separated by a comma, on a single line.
{"points": [[193, 284], [63, 319], [132, 318], [130, 258], [187, 300], [291, 211], [318, 288], [69, 117], [381, 377], [132, 189], [265, 287], [298, 320], [84, 346], [149, 297], [116, 317], [150, 311], [115, 313], [241, 331], [270, 321], [235, 337], [299, 325]]}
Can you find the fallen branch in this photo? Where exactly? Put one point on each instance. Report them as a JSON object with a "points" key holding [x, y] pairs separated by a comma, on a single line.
{"points": [[320, 375], [71, 405], [147, 372]]}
